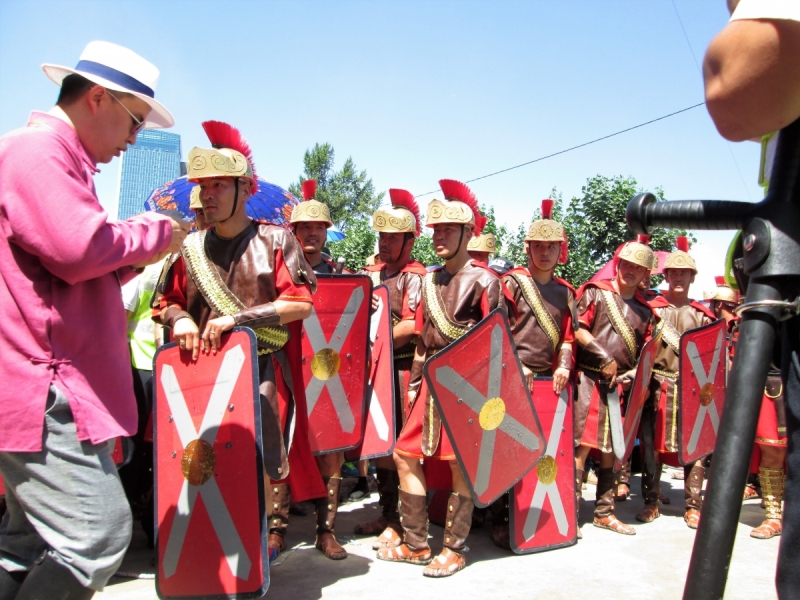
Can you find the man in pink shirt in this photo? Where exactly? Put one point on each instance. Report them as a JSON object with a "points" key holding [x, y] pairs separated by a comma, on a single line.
{"points": [[66, 381]]}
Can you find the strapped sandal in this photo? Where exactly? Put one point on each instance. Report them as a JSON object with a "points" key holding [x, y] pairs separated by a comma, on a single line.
{"points": [[750, 492], [612, 523], [692, 518], [326, 542], [405, 553], [389, 538], [444, 565], [648, 514], [768, 529]]}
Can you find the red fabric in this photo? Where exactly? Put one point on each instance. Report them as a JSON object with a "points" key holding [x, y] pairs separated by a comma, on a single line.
{"points": [[409, 442], [767, 428], [590, 431]]}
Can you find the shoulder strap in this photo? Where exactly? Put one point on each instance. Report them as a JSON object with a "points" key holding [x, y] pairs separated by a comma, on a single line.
{"points": [[533, 297], [621, 326], [434, 306], [671, 336], [218, 296]]}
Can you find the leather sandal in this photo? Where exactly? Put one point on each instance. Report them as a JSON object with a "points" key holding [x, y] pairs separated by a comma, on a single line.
{"points": [[750, 492], [768, 529], [444, 565], [405, 553], [501, 536], [612, 523], [276, 542], [326, 542], [664, 499], [623, 492], [648, 514], [692, 518], [389, 538], [372, 527]]}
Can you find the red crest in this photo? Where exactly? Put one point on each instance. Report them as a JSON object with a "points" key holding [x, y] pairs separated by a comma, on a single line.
{"points": [[640, 389], [379, 425], [335, 348], [542, 506], [208, 472], [486, 408], [703, 358]]}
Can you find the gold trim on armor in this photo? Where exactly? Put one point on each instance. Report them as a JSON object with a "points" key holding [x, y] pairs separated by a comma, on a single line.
{"points": [[670, 334], [375, 276], [434, 306], [403, 355], [213, 289], [584, 367], [533, 297], [667, 374], [673, 434], [621, 326], [769, 441], [778, 395]]}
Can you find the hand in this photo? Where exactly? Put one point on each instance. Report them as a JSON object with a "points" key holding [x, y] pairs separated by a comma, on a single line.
{"points": [[560, 378], [187, 335], [180, 229], [528, 374], [213, 332], [375, 302], [609, 372]]}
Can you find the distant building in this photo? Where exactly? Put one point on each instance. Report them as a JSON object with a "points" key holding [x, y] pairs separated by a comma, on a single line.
{"points": [[153, 160]]}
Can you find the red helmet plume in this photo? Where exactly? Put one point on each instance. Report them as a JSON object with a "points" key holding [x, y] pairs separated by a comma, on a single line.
{"points": [[223, 135], [405, 199], [720, 280], [643, 239], [455, 190], [309, 189], [682, 243], [547, 209], [564, 250]]}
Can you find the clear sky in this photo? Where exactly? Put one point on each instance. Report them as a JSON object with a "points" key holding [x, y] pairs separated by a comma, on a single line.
{"points": [[416, 91]]}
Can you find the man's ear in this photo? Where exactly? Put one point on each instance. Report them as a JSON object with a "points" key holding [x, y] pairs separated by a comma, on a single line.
{"points": [[94, 97]]}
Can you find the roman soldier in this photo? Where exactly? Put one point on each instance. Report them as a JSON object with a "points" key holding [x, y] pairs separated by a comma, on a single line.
{"points": [[397, 228], [454, 298], [677, 313], [481, 248], [614, 323], [310, 221], [251, 274], [544, 331]]}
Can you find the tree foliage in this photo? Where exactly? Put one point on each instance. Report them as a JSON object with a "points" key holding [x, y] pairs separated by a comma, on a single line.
{"points": [[357, 246], [349, 193]]}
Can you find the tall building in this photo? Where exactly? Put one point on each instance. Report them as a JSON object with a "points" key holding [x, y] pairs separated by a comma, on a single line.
{"points": [[153, 160]]}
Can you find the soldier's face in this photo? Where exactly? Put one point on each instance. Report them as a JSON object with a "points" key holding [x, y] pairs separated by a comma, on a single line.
{"points": [[447, 237], [312, 236], [630, 274], [390, 246], [679, 280], [217, 195], [544, 255]]}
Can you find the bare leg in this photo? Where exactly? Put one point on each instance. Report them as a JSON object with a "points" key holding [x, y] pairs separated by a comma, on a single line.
{"points": [[412, 476], [330, 465]]}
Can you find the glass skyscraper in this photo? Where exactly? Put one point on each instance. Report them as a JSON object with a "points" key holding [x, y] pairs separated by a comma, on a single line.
{"points": [[153, 160]]}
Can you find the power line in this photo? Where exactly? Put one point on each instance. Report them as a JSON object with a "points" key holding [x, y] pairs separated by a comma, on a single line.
{"points": [[605, 137]]}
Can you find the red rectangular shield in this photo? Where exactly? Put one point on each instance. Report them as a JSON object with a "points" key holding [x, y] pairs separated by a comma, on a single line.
{"points": [[542, 503], [637, 396], [211, 524], [704, 354], [379, 425], [486, 408], [335, 346]]}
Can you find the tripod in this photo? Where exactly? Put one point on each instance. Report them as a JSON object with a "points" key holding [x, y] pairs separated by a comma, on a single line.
{"points": [[771, 240]]}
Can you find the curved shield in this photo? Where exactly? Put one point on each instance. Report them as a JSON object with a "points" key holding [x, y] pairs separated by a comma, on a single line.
{"points": [[211, 524], [486, 408], [335, 346], [379, 425], [703, 360], [542, 503], [636, 399]]}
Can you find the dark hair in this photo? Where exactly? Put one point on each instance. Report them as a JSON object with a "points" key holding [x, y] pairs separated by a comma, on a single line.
{"points": [[72, 87]]}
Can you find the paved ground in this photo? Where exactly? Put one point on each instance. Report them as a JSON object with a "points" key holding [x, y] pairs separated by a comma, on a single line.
{"points": [[651, 564]]}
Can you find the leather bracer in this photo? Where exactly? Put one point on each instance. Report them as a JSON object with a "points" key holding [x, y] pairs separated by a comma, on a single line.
{"points": [[598, 354], [263, 315], [565, 357], [170, 315]]}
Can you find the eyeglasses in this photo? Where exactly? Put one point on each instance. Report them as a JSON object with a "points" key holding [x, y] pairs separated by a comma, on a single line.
{"points": [[138, 124]]}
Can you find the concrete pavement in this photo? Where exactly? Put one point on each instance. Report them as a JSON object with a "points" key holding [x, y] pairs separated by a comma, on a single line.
{"points": [[651, 564]]}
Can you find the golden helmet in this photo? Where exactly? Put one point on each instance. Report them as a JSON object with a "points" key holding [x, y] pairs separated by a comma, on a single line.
{"points": [[459, 206], [310, 210], [485, 242], [545, 229], [680, 259], [638, 254], [194, 198], [723, 292], [402, 217], [229, 156]]}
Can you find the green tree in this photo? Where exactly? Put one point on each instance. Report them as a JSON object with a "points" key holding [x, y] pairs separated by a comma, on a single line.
{"points": [[357, 246], [349, 193], [423, 250]]}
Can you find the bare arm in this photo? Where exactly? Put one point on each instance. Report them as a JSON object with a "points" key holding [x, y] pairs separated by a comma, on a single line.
{"points": [[292, 311], [752, 77], [402, 333]]}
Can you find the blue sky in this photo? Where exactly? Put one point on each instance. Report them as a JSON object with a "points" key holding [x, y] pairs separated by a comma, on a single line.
{"points": [[418, 91]]}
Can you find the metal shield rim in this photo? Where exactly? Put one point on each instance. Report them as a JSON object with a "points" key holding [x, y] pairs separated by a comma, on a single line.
{"points": [[501, 312]]}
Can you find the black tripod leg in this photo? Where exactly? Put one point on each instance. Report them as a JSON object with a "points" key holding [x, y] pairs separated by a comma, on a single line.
{"points": [[713, 545]]}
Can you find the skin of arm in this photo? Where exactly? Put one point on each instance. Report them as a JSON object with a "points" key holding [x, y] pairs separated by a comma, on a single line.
{"points": [[752, 77], [402, 333]]}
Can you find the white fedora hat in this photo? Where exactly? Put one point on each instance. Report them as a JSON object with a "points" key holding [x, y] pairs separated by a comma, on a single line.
{"points": [[120, 69]]}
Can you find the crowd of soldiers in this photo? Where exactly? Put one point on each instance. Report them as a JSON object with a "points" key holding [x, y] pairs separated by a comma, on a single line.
{"points": [[239, 272]]}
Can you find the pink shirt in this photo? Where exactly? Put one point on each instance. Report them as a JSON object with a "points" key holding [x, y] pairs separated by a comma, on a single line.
{"points": [[61, 266]]}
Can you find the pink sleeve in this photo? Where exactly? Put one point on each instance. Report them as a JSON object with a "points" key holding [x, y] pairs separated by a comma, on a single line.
{"points": [[51, 211]]}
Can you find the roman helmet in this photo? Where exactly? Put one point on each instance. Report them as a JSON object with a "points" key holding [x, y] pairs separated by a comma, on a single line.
{"points": [[638, 253], [485, 242], [229, 156], [548, 230], [311, 210], [722, 293], [459, 207], [680, 259], [401, 217]]}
